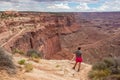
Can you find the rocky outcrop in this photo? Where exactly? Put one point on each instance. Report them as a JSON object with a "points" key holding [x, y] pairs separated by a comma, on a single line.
{"points": [[48, 44], [45, 33]]}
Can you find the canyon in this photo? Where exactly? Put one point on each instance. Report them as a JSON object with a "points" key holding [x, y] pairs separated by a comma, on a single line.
{"points": [[57, 35]]}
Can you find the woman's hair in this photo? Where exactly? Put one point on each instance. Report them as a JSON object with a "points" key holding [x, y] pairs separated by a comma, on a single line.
{"points": [[79, 48]]}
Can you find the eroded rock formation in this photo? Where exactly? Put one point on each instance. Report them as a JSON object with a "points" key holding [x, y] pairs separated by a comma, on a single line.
{"points": [[57, 35], [45, 33]]}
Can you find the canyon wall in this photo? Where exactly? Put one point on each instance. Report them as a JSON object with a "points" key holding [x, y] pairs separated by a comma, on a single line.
{"points": [[37, 40], [57, 35], [42, 32]]}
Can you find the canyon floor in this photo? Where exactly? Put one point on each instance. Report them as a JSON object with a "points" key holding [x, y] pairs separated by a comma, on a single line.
{"points": [[48, 70]]}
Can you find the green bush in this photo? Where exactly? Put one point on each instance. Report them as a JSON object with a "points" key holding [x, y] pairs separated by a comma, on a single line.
{"points": [[57, 66], [107, 69], [109, 62], [118, 61], [28, 67], [6, 61], [112, 77], [34, 53], [115, 70], [21, 62], [99, 66], [99, 74]]}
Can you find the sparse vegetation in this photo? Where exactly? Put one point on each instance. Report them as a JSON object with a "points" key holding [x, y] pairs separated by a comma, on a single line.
{"points": [[99, 66], [108, 69], [113, 77], [28, 67], [57, 66], [21, 62], [6, 61], [99, 74], [109, 62], [34, 53]]}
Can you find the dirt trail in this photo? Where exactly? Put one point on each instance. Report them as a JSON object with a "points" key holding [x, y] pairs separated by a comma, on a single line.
{"points": [[12, 38], [55, 70], [48, 70]]}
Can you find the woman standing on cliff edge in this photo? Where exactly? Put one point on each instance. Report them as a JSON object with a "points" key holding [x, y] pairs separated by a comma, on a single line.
{"points": [[78, 58]]}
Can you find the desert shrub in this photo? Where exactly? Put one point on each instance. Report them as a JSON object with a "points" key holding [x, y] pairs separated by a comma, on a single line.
{"points": [[28, 67], [117, 60], [115, 70], [99, 74], [113, 64], [109, 62], [34, 53], [112, 77], [57, 66], [21, 62], [99, 66], [6, 61], [107, 69]]}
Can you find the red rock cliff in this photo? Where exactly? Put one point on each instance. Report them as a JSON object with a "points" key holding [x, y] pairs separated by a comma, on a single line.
{"points": [[46, 33]]}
